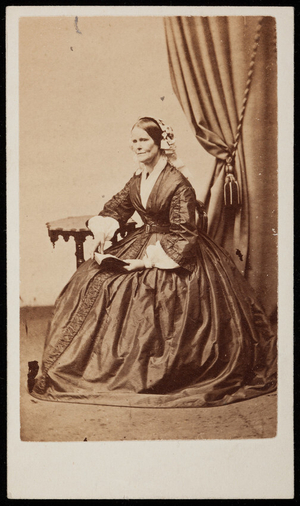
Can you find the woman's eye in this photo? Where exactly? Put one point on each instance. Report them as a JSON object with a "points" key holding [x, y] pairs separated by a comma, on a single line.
{"points": [[134, 141]]}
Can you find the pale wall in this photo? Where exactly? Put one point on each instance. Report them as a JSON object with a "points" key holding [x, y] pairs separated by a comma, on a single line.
{"points": [[77, 107]]}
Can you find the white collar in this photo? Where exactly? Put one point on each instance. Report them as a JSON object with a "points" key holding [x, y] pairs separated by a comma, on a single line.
{"points": [[159, 167]]}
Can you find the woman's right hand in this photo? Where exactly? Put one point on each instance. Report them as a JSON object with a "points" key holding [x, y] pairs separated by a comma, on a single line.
{"points": [[98, 244]]}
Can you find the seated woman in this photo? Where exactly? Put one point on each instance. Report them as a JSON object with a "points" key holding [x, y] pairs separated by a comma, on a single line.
{"points": [[178, 326]]}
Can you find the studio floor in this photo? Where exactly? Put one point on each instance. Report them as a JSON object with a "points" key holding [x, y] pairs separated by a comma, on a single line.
{"points": [[50, 421]]}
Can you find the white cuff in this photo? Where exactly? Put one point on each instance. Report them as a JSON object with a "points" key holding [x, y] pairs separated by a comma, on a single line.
{"points": [[104, 224], [157, 257]]}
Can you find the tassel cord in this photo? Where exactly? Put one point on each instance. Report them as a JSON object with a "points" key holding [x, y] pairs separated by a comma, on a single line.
{"points": [[230, 178]]}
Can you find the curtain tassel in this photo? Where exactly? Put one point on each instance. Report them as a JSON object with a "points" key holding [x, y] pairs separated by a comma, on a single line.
{"points": [[231, 188]]}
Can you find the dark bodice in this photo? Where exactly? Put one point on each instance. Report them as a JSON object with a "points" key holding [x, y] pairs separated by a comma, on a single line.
{"points": [[171, 204]]}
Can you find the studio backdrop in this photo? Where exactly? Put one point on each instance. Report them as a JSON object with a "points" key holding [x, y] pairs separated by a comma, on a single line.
{"points": [[223, 71]]}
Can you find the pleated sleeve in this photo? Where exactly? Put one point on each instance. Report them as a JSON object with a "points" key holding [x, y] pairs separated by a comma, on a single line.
{"points": [[179, 243], [120, 206]]}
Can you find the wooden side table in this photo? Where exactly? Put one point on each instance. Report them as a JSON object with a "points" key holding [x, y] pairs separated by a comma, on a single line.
{"points": [[75, 226]]}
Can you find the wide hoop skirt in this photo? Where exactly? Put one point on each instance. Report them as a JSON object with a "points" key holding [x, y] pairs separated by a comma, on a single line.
{"points": [[158, 338]]}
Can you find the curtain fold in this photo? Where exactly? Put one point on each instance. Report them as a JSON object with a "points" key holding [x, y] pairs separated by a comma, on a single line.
{"points": [[209, 60]]}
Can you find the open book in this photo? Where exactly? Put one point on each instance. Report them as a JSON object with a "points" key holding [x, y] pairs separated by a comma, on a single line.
{"points": [[109, 260]]}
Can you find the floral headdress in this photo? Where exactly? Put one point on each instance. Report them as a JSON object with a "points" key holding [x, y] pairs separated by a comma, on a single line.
{"points": [[168, 139]]}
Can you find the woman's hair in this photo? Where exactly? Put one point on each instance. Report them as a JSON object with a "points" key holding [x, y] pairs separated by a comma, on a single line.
{"points": [[151, 127]]}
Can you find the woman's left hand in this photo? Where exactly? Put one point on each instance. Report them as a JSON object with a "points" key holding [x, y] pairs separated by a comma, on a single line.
{"points": [[134, 264]]}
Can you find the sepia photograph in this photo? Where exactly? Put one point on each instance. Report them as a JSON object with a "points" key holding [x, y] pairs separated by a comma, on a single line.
{"points": [[148, 163]]}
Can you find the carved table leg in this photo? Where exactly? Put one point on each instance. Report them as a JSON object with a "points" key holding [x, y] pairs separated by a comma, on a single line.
{"points": [[79, 240]]}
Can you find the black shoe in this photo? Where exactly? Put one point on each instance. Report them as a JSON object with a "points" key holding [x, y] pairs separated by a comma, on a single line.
{"points": [[33, 370]]}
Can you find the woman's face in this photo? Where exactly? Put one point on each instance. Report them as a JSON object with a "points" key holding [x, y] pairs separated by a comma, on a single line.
{"points": [[144, 146]]}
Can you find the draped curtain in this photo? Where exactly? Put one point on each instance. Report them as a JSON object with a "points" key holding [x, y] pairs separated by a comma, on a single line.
{"points": [[209, 60]]}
